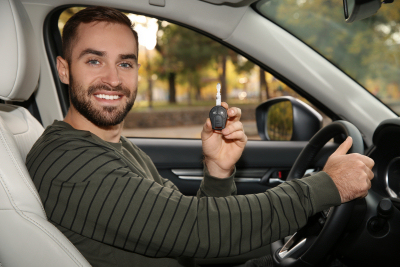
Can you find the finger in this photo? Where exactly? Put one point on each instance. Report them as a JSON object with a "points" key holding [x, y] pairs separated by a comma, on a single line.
{"points": [[225, 105], [207, 130], [368, 161], [365, 185], [236, 126], [364, 159], [369, 183], [363, 196], [368, 186], [364, 191], [234, 114], [344, 147], [237, 136], [369, 173]]}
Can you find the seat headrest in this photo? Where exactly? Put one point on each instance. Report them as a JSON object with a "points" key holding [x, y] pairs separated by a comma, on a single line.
{"points": [[20, 62]]}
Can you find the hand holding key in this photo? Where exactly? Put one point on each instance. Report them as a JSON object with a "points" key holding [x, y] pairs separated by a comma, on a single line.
{"points": [[223, 148]]}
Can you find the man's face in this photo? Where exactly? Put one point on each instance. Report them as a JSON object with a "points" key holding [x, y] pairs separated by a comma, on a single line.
{"points": [[103, 72]]}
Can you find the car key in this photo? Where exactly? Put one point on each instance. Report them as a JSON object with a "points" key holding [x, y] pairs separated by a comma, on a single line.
{"points": [[218, 114]]}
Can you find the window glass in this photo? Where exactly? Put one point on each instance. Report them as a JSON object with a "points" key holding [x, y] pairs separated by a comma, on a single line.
{"points": [[179, 72], [367, 50]]}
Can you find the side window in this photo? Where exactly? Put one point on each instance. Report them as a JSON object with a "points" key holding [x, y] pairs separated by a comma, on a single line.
{"points": [[179, 72]]}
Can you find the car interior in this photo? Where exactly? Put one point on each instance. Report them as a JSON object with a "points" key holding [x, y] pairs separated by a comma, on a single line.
{"points": [[364, 233], [29, 239]]}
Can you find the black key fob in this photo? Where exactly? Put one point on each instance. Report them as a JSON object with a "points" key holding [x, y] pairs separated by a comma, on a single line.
{"points": [[218, 117]]}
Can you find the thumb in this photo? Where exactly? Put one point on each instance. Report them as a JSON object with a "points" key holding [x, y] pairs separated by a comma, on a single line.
{"points": [[344, 147], [207, 130]]}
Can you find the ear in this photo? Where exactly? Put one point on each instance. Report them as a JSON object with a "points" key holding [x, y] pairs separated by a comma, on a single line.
{"points": [[63, 70], [139, 65]]}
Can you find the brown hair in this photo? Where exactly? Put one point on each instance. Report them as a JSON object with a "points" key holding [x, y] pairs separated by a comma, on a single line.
{"points": [[88, 15]]}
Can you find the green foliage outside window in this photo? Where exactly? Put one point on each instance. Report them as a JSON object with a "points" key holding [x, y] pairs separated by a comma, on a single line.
{"points": [[367, 50]]}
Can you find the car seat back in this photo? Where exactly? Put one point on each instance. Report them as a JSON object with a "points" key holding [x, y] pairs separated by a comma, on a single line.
{"points": [[27, 238], [23, 126]]}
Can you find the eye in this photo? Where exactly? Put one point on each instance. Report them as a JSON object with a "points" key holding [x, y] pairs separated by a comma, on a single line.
{"points": [[93, 62], [126, 65]]}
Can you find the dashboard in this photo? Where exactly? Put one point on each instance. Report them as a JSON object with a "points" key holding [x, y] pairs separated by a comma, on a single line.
{"points": [[386, 154], [373, 230]]}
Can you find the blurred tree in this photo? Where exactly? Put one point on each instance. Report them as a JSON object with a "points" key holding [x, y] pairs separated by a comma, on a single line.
{"points": [[167, 66], [183, 52], [243, 66], [263, 85], [365, 50], [149, 79]]}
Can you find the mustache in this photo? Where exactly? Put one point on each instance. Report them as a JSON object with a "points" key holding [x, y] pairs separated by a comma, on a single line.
{"points": [[119, 89]]}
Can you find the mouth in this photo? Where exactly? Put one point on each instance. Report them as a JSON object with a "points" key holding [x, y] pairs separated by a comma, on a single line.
{"points": [[108, 97]]}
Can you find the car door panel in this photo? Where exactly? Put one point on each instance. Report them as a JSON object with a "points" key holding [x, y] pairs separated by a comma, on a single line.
{"points": [[180, 160]]}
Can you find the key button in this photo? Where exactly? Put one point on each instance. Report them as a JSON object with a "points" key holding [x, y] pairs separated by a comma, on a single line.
{"points": [[218, 121]]}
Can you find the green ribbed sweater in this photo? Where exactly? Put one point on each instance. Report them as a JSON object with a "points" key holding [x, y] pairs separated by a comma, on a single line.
{"points": [[110, 201]]}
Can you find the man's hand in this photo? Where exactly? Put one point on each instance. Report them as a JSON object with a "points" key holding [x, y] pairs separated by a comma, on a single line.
{"points": [[223, 148], [351, 173]]}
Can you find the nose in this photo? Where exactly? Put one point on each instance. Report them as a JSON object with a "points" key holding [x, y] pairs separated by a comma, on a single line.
{"points": [[111, 76]]}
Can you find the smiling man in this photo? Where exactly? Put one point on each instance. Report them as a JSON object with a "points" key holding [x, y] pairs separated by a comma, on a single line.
{"points": [[102, 72], [106, 195]]}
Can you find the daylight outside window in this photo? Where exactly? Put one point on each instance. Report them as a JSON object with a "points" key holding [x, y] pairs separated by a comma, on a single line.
{"points": [[367, 50]]}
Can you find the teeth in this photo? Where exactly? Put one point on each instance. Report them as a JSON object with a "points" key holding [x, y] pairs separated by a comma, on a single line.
{"points": [[108, 97]]}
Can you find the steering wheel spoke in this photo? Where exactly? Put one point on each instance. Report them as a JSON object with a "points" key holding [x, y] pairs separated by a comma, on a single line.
{"points": [[294, 246]]}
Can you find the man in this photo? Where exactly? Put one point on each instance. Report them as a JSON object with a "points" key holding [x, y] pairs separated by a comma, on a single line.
{"points": [[106, 195]]}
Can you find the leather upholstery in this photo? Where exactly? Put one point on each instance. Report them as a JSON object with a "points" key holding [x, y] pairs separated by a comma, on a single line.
{"points": [[20, 62], [27, 238], [24, 127]]}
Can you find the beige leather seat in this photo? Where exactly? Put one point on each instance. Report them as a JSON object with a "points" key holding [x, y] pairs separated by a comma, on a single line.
{"points": [[26, 237]]}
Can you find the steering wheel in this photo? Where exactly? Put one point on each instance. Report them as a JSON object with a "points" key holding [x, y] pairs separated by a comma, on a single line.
{"points": [[307, 247]]}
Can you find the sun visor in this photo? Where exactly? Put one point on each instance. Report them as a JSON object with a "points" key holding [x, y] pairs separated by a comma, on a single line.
{"points": [[20, 62]]}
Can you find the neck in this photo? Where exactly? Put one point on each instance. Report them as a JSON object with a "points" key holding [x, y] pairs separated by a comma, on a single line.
{"points": [[79, 122]]}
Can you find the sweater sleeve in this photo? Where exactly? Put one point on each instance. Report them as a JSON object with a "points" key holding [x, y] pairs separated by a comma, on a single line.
{"points": [[167, 183], [216, 187], [210, 186], [89, 190]]}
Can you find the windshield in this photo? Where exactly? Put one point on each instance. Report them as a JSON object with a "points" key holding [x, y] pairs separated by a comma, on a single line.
{"points": [[367, 50]]}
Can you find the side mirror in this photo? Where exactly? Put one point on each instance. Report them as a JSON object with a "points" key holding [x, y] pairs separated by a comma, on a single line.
{"points": [[360, 9], [287, 119]]}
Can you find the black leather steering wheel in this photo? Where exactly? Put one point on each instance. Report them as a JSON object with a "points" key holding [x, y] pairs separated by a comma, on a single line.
{"points": [[305, 247]]}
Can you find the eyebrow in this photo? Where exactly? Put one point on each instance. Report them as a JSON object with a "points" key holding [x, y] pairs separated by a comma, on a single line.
{"points": [[92, 51], [103, 53], [128, 56]]}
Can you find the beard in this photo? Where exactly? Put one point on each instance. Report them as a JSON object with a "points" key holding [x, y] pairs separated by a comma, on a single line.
{"points": [[101, 116]]}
